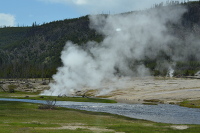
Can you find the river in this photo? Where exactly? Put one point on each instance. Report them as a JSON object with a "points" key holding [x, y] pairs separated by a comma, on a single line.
{"points": [[164, 113]]}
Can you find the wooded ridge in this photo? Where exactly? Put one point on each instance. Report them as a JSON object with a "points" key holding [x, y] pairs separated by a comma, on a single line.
{"points": [[34, 52]]}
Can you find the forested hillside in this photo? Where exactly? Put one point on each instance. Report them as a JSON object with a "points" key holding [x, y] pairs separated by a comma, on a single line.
{"points": [[35, 51], [30, 52]]}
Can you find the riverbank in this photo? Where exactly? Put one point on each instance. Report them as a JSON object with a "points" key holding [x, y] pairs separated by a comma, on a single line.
{"points": [[172, 113], [27, 117]]}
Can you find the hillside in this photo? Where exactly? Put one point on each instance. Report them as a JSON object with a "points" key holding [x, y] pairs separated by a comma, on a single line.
{"points": [[29, 52], [35, 51]]}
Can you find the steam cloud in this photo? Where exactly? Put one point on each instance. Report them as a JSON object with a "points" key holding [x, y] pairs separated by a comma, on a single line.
{"points": [[129, 38]]}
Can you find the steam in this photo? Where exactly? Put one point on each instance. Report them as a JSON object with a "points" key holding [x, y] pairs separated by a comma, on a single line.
{"points": [[118, 29], [170, 72], [129, 39]]}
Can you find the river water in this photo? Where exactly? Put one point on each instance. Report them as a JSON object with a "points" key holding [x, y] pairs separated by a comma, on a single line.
{"points": [[163, 113]]}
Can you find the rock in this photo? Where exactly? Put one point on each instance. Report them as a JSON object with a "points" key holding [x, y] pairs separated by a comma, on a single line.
{"points": [[44, 83], [1, 82]]}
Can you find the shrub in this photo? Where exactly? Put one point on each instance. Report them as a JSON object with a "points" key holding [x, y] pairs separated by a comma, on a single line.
{"points": [[49, 105], [11, 88]]}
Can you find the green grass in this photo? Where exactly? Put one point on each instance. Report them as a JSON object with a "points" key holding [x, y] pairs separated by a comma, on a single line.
{"points": [[18, 117], [17, 94], [35, 96], [190, 103], [76, 99]]}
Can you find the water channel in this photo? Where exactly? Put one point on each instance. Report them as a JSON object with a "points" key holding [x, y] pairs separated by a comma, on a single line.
{"points": [[163, 113]]}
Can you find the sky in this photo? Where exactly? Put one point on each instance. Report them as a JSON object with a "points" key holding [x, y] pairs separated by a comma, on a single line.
{"points": [[26, 12]]}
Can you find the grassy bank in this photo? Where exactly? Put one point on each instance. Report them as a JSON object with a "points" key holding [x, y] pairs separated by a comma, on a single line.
{"points": [[190, 103], [17, 117], [35, 96]]}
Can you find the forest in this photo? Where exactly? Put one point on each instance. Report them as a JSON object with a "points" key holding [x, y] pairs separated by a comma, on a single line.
{"points": [[34, 51]]}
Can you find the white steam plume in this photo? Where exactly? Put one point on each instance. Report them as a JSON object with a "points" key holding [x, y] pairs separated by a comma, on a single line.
{"points": [[129, 38]]}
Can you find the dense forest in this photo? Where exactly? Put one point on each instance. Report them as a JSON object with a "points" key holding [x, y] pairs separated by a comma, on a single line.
{"points": [[34, 51]]}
